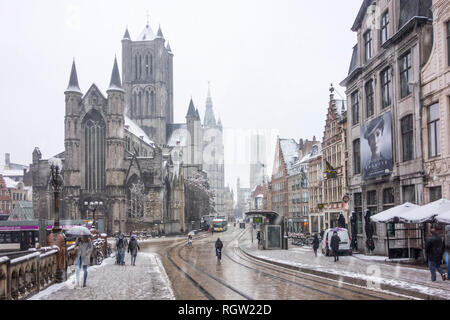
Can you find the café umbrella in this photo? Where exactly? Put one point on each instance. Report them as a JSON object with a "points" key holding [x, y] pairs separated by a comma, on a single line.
{"points": [[79, 231]]}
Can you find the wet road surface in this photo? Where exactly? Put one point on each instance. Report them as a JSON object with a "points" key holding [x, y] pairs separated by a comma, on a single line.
{"points": [[195, 274]]}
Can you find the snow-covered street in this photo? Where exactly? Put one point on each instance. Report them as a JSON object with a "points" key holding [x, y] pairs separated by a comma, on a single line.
{"points": [[147, 280], [374, 271]]}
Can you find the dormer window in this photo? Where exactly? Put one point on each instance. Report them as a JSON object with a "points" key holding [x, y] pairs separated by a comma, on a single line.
{"points": [[368, 44]]}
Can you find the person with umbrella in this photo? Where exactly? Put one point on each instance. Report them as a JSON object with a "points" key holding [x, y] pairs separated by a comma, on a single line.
{"points": [[84, 249]]}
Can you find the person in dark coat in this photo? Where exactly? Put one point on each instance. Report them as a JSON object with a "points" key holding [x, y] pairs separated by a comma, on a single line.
{"points": [[315, 244], [321, 233], [335, 240], [133, 248], [219, 245], [434, 249]]}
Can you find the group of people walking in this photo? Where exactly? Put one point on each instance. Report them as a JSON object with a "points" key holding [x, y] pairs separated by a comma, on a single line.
{"points": [[132, 248]]}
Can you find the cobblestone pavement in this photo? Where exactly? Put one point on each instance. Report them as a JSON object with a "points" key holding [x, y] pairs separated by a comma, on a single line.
{"points": [[371, 268], [146, 280]]}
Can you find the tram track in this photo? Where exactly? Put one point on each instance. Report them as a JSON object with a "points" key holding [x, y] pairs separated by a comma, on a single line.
{"points": [[321, 281]]}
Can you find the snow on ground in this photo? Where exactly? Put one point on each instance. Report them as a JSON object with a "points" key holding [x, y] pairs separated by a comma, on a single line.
{"points": [[147, 280], [372, 269]]}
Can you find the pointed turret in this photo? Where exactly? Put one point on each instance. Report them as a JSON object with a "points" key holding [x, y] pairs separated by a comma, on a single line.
{"points": [[197, 115], [73, 81], [126, 35], [191, 111], [168, 48], [159, 33], [115, 83], [209, 119]]}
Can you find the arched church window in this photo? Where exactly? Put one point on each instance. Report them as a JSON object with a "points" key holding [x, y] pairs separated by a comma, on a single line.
{"points": [[137, 204], [94, 140], [153, 103], [133, 104], [147, 104], [147, 66], [140, 67], [136, 67], [139, 104], [150, 62]]}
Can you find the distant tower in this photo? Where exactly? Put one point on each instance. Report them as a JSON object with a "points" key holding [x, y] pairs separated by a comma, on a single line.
{"points": [[257, 159], [147, 69]]}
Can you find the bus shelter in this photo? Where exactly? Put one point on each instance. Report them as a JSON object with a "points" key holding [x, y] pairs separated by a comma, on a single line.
{"points": [[271, 228]]}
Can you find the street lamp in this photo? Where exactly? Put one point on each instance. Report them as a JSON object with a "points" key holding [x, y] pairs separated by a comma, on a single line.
{"points": [[93, 206], [56, 183]]}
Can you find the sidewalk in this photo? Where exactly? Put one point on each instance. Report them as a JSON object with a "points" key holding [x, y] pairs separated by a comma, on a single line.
{"points": [[147, 280], [369, 271]]}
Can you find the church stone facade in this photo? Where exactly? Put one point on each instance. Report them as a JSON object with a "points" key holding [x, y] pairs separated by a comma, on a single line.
{"points": [[124, 150]]}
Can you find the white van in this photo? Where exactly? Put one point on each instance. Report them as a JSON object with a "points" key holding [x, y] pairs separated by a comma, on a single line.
{"points": [[344, 245]]}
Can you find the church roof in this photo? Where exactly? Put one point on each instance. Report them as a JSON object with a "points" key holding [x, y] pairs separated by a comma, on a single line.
{"points": [[134, 129], [115, 83], [73, 81], [147, 34]]}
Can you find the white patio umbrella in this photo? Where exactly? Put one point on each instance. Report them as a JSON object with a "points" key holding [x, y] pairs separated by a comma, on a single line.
{"points": [[389, 215], [426, 213], [79, 231], [444, 218]]}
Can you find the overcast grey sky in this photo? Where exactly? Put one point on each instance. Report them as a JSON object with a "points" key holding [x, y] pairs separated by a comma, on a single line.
{"points": [[270, 62]]}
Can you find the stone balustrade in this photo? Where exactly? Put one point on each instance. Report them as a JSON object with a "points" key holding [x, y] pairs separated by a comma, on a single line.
{"points": [[35, 270]]}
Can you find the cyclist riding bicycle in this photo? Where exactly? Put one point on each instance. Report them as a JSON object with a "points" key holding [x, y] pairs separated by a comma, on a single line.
{"points": [[219, 246]]}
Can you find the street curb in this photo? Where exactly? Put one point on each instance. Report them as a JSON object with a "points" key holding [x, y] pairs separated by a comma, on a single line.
{"points": [[347, 279]]}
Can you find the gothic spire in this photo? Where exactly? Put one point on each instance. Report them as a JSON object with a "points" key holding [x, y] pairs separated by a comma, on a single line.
{"points": [[73, 81], [115, 83], [209, 119], [127, 34], [159, 34], [191, 110]]}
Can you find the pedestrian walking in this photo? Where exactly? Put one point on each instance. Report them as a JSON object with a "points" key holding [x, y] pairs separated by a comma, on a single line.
{"points": [[133, 248], [335, 240], [121, 244], [84, 249], [434, 249], [321, 233], [315, 244]]}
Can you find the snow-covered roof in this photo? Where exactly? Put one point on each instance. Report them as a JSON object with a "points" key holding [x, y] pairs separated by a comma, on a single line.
{"points": [[11, 173], [180, 135], [134, 129], [289, 148], [147, 34], [10, 183]]}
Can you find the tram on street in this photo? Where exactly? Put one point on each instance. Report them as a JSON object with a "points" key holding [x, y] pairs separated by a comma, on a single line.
{"points": [[219, 225], [23, 235]]}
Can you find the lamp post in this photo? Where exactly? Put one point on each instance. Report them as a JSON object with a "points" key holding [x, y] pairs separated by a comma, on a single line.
{"points": [[93, 206], [56, 183]]}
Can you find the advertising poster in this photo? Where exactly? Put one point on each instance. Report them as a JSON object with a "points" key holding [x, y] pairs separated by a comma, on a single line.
{"points": [[376, 147]]}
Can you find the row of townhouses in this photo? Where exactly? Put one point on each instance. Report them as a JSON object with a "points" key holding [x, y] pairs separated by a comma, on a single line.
{"points": [[388, 142]]}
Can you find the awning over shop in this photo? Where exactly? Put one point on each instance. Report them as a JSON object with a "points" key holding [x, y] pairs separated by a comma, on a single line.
{"points": [[389, 215], [427, 212], [444, 218]]}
